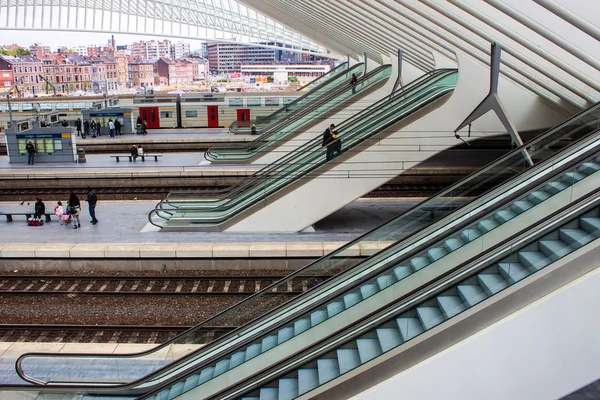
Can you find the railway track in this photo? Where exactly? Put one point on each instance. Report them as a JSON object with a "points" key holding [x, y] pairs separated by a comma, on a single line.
{"points": [[60, 333], [151, 285]]}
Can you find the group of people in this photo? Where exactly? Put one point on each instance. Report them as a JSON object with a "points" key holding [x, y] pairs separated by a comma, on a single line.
{"points": [[72, 211], [95, 128], [136, 151], [332, 141]]}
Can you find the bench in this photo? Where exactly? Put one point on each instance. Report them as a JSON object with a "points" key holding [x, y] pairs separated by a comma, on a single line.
{"points": [[142, 156], [9, 215]]}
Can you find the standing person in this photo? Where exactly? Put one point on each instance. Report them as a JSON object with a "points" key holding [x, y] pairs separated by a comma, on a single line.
{"points": [[86, 128], [134, 152], [93, 128], [30, 152], [353, 83], [253, 129], [99, 128], [111, 128], [74, 209], [144, 127], [78, 126], [118, 127], [39, 209], [92, 199], [335, 145], [327, 139]]}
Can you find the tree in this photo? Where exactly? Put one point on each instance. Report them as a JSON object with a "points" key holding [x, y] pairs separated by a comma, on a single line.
{"points": [[270, 79], [71, 86], [22, 52], [292, 79]]}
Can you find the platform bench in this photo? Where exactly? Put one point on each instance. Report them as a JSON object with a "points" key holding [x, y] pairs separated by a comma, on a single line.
{"points": [[142, 156], [9, 215]]}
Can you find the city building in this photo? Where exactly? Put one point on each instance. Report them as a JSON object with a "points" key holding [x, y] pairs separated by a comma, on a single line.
{"points": [[111, 72], [281, 72], [6, 78], [83, 73], [229, 57], [200, 67], [122, 67], [141, 73], [38, 50], [25, 72], [179, 49], [81, 50], [99, 75], [151, 49]]}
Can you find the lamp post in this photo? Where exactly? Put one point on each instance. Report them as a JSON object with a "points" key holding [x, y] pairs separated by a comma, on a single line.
{"points": [[10, 118]]}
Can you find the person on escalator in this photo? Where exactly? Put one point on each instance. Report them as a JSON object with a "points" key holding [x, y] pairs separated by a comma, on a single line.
{"points": [[353, 83], [327, 139], [335, 145]]}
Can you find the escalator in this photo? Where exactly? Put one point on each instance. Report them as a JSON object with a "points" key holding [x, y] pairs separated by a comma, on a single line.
{"points": [[284, 130], [307, 162], [215, 198], [339, 77], [559, 177]]}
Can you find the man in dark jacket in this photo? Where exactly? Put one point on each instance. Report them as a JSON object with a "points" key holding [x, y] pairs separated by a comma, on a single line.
{"points": [[327, 139], [39, 208], [92, 199], [78, 126], [31, 153], [86, 128], [117, 127]]}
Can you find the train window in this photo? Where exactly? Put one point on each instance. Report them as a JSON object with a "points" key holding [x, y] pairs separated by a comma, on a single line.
{"points": [[1, 108], [62, 106], [45, 107], [288, 100], [191, 113], [166, 114], [27, 106], [12, 107], [272, 101], [254, 101], [153, 115], [236, 102], [79, 106]]}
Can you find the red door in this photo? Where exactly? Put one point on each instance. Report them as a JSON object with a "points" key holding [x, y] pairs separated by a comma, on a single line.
{"points": [[243, 118], [151, 116], [213, 116]]}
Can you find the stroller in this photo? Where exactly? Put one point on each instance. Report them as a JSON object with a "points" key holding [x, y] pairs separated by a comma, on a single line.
{"points": [[63, 217]]}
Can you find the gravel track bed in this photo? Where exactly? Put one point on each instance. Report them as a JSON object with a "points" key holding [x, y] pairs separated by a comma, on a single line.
{"points": [[158, 274]]}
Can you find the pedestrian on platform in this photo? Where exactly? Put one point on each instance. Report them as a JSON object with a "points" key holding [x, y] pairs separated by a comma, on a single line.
{"points": [[74, 209], [30, 153], [78, 126], [59, 211], [144, 127], [98, 128], [92, 199], [118, 127], [93, 128], [111, 128], [86, 128], [327, 139], [134, 152], [39, 209]]}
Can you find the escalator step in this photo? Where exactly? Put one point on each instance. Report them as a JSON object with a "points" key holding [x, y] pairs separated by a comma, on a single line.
{"points": [[237, 359], [308, 379], [402, 272], [554, 249], [436, 253], [221, 367], [471, 294], [206, 375], [288, 388], [351, 299], [590, 224], [430, 316], [491, 283], [386, 280], [520, 206], [348, 359], [572, 177], [513, 271], [368, 349], [368, 290], [285, 334], [176, 389], [588, 168], [301, 325], [505, 215], [269, 394], [268, 343], [388, 338], [250, 398], [450, 305], [487, 225], [453, 243], [533, 260], [317, 317], [335, 307], [538, 197], [409, 328], [191, 382], [328, 369], [469, 235], [419, 262], [252, 351], [555, 187], [575, 237]]}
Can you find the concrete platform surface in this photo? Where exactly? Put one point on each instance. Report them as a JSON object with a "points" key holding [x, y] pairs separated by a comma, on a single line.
{"points": [[123, 233]]}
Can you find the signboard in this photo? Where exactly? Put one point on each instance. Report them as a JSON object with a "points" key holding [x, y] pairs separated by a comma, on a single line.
{"points": [[106, 114]]}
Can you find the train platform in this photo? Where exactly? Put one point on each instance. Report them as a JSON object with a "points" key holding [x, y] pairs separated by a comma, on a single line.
{"points": [[124, 233]]}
